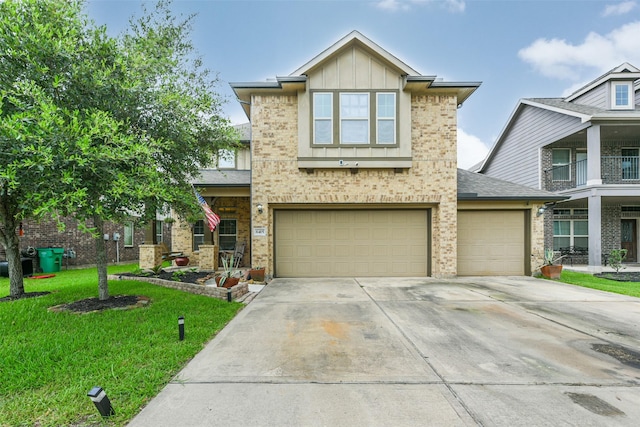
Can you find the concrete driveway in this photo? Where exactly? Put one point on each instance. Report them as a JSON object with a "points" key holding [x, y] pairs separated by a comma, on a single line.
{"points": [[415, 352]]}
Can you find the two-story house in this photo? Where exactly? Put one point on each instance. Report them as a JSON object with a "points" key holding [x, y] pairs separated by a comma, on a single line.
{"points": [[585, 146], [351, 170]]}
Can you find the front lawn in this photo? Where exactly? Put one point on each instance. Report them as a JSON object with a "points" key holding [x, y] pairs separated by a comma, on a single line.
{"points": [[589, 281], [49, 361]]}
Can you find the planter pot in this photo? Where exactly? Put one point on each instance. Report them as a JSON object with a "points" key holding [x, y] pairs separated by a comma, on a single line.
{"points": [[229, 283], [551, 271], [182, 261], [257, 275]]}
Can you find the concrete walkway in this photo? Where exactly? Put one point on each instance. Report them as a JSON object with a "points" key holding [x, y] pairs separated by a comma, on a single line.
{"points": [[415, 352]]}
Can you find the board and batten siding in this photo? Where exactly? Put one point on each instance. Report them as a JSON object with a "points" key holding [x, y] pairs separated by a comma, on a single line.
{"points": [[517, 159], [597, 97]]}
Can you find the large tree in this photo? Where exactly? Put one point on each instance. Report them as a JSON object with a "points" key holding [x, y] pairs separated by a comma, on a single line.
{"points": [[137, 117]]}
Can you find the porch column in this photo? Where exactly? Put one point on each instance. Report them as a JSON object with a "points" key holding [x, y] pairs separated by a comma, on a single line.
{"points": [[593, 158], [595, 233]]}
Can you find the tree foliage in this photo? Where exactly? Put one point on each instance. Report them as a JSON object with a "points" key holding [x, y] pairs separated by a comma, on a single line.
{"points": [[97, 127]]}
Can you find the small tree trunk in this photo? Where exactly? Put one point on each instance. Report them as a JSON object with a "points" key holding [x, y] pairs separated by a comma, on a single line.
{"points": [[11, 244], [101, 259]]}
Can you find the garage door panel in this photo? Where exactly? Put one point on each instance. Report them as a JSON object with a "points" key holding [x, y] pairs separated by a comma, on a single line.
{"points": [[353, 242], [491, 243]]}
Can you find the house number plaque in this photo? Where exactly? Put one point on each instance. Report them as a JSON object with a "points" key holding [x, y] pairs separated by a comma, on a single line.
{"points": [[259, 231]]}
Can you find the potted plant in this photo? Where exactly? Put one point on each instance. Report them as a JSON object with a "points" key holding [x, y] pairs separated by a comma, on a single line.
{"points": [[550, 269], [229, 277], [257, 274]]}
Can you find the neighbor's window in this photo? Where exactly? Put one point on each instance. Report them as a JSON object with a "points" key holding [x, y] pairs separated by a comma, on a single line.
{"points": [[198, 234], [323, 118], [570, 233], [128, 234], [621, 95], [386, 122], [561, 164], [227, 234]]}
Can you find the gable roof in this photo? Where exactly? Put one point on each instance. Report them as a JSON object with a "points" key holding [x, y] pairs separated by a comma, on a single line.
{"points": [[475, 186], [296, 81], [624, 71]]}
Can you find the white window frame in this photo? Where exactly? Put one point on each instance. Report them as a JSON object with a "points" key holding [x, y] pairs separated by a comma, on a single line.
{"points": [[221, 232], [555, 165], [317, 118], [198, 234], [572, 221], [159, 231], [380, 118], [128, 234], [344, 119], [614, 95]]}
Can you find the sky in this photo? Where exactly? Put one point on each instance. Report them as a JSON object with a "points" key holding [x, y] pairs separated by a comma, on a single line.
{"points": [[516, 48]]}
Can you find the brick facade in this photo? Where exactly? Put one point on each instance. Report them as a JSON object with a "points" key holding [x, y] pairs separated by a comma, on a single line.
{"points": [[431, 181], [46, 234]]}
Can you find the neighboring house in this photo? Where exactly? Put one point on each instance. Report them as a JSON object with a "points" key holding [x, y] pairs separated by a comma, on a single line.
{"points": [[586, 147], [350, 170]]}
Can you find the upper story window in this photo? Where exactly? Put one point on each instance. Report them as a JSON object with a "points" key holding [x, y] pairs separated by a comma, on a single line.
{"points": [[354, 118], [621, 95], [226, 159], [561, 162]]}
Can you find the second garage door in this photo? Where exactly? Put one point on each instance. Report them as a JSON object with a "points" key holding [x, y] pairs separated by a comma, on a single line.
{"points": [[491, 243], [343, 243]]}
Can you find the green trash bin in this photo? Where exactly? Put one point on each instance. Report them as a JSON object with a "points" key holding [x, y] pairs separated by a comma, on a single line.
{"points": [[50, 262]]}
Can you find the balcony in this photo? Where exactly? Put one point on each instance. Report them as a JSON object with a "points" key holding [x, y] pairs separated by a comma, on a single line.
{"points": [[613, 170]]}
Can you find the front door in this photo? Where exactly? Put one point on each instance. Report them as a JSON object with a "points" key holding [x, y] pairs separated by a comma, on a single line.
{"points": [[628, 239]]}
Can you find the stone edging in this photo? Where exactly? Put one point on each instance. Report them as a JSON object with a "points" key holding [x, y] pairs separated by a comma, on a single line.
{"points": [[211, 291]]}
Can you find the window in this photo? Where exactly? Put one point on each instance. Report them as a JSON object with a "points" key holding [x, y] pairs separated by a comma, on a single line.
{"points": [[386, 118], [561, 163], [226, 159], [227, 234], [621, 95], [323, 118], [159, 238], [573, 231], [128, 234], [630, 163], [355, 118], [198, 234]]}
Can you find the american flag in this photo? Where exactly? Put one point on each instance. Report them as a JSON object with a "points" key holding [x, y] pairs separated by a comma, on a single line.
{"points": [[212, 219]]}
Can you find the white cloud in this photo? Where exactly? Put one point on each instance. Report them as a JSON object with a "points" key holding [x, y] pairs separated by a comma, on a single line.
{"points": [[559, 58], [619, 8], [395, 5], [471, 150]]}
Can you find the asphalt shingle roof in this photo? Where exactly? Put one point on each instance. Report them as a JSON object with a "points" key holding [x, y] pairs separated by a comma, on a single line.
{"points": [[475, 186]]}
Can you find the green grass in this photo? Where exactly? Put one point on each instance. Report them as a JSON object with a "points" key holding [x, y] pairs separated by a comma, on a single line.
{"points": [[589, 281], [49, 361]]}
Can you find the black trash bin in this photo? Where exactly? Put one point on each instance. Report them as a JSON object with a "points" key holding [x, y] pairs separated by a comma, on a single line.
{"points": [[27, 267]]}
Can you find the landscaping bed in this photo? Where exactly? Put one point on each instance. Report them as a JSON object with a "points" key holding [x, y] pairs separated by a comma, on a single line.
{"points": [[630, 276]]}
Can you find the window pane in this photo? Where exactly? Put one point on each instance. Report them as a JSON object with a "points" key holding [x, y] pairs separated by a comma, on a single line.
{"points": [[227, 226], [198, 234], [560, 242], [561, 157], [227, 243], [581, 228], [354, 105], [561, 228], [386, 105], [581, 242], [355, 132], [323, 132], [622, 95], [386, 132], [128, 234], [322, 105], [159, 237]]}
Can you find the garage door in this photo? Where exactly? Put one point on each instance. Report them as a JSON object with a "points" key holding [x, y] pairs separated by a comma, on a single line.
{"points": [[345, 243], [491, 243]]}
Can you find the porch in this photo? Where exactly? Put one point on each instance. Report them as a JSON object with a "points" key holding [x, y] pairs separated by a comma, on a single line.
{"points": [[613, 170]]}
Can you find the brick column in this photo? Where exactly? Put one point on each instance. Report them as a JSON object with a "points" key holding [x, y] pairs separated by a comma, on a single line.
{"points": [[150, 256], [208, 257]]}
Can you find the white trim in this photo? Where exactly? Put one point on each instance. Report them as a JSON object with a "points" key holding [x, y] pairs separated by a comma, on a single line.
{"points": [[614, 95], [629, 71]]}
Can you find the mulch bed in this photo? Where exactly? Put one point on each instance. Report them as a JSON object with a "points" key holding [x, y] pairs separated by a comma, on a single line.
{"points": [[630, 276], [23, 296], [185, 276], [90, 305]]}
